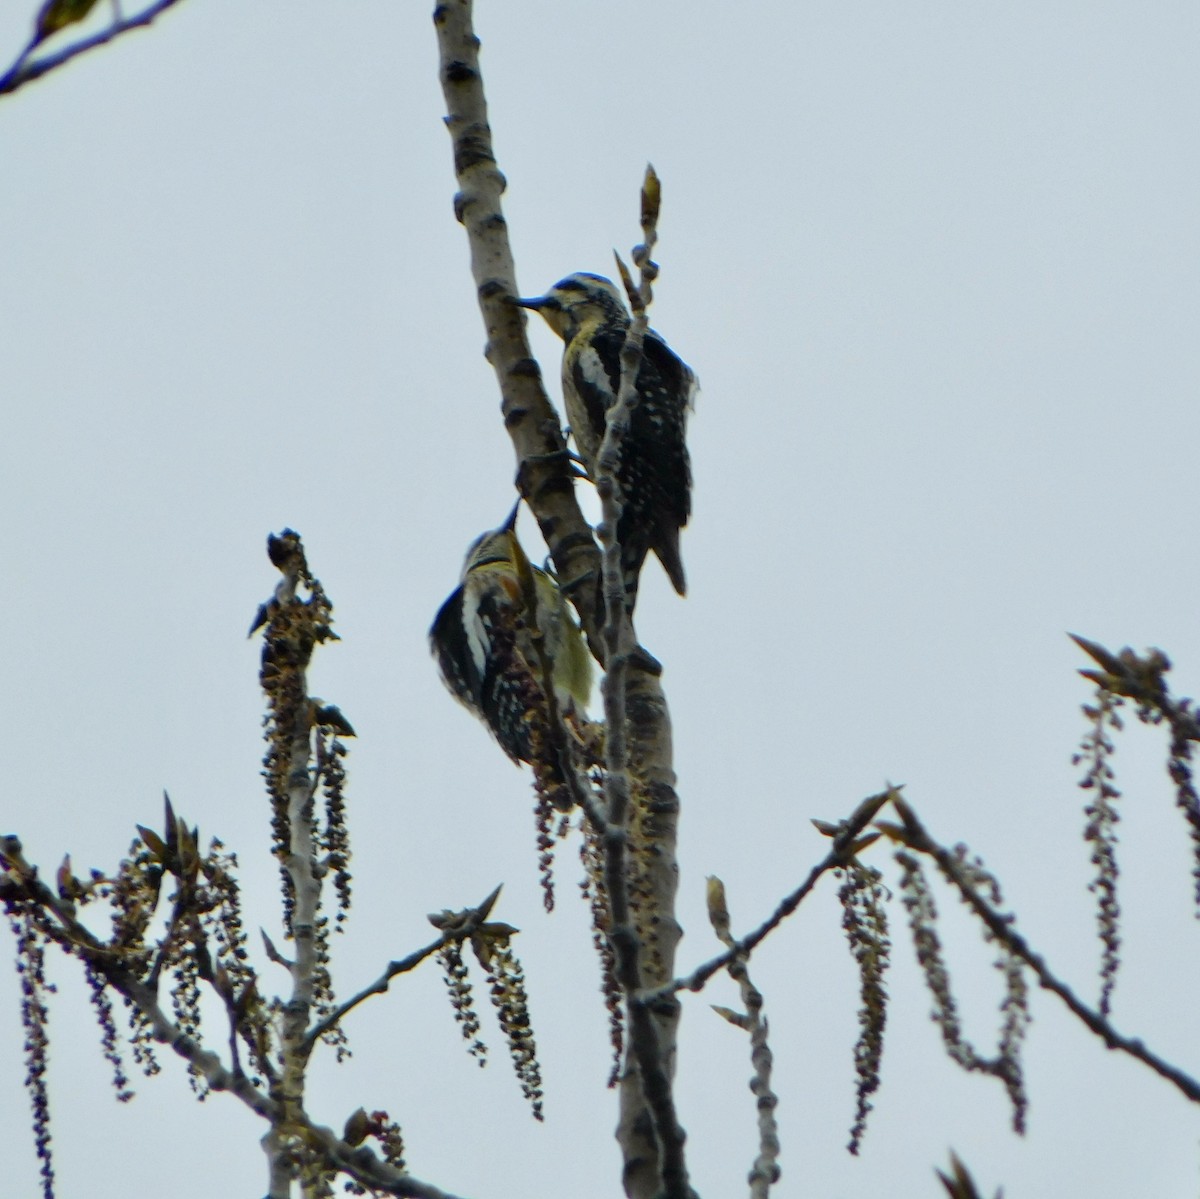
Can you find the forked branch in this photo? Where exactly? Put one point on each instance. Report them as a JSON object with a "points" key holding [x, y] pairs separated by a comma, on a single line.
{"points": [[27, 68]]}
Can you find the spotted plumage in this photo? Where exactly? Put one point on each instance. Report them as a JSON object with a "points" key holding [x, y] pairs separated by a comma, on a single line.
{"points": [[655, 477], [483, 641]]}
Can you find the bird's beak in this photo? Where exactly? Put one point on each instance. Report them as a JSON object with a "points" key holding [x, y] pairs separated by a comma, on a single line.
{"points": [[537, 303], [511, 523]]}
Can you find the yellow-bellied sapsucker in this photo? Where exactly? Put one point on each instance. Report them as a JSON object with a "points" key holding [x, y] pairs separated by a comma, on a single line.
{"points": [[485, 636], [655, 474]]}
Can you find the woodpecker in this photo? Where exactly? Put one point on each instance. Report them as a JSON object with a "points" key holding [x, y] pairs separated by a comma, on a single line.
{"points": [[484, 643], [655, 474]]}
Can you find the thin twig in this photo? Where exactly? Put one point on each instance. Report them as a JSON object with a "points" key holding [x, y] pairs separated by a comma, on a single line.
{"points": [[765, 1170], [378, 987], [288, 642], [845, 845], [20, 884], [25, 71], [23, 885], [645, 1044], [913, 834]]}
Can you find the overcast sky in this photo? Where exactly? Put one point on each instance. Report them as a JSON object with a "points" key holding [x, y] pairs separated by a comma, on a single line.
{"points": [[936, 267]]}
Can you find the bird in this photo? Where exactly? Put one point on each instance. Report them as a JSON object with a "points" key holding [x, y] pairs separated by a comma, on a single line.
{"points": [[486, 638], [655, 476]]}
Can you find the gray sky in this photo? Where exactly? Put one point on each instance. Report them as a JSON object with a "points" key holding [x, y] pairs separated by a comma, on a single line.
{"points": [[935, 265]]}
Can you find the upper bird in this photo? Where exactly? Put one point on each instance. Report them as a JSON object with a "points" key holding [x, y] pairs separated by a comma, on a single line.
{"points": [[655, 476]]}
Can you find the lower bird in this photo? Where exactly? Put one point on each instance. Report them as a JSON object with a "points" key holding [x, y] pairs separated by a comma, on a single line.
{"points": [[503, 631]]}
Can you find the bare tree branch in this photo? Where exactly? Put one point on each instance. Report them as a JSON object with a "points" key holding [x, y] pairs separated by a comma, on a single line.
{"points": [[378, 987], [765, 1171], [546, 481], [544, 473], [22, 882], [288, 644], [26, 70], [648, 1043], [846, 842], [913, 834], [460, 930]]}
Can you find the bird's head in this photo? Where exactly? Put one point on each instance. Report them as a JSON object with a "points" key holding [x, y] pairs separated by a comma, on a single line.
{"points": [[578, 301], [496, 547]]}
